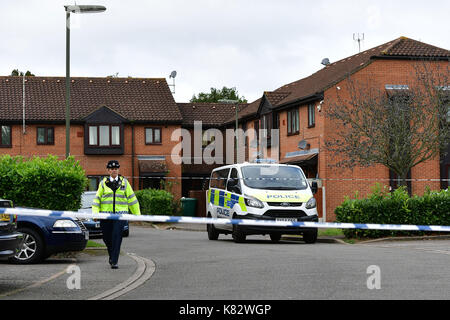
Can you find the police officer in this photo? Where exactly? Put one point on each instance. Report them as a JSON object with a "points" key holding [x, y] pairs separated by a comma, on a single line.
{"points": [[114, 196]]}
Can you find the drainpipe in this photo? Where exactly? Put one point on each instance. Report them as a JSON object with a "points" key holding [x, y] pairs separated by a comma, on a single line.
{"points": [[132, 154], [23, 99]]}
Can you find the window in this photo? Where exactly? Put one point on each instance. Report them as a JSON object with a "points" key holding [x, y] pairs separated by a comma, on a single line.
{"points": [[219, 178], [233, 175], [207, 138], [274, 177], [311, 115], [93, 182], [6, 136], [152, 135], [104, 136], [293, 121], [93, 136], [150, 183], [256, 127], [266, 125], [45, 135], [448, 113]]}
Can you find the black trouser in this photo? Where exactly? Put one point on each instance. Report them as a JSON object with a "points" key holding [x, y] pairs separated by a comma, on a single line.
{"points": [[112, 236]]}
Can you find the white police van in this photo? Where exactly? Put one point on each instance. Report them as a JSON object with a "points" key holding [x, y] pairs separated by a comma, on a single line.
{"points": [[262, 191]]}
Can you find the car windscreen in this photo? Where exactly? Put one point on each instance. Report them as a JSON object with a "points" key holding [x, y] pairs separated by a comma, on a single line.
{"points": [[274, 177]]}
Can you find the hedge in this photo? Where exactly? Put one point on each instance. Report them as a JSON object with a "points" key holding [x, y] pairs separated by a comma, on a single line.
{"points": [[44, 183], [155, 202], [383, 207]]}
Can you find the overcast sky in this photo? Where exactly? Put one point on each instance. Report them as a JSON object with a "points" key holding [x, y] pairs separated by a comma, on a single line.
{"points": [[253, 45]]}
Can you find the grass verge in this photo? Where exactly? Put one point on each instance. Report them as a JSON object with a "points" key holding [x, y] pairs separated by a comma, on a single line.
{"points": [[93, 244]]}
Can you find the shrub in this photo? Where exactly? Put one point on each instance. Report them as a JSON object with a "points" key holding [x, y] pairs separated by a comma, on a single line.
{"points": [[45, 183], [155, 202], [383, 207]]}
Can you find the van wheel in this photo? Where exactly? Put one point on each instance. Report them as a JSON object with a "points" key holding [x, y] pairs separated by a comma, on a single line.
{"points": [[238, 235], [213, 234], [310, 236], [275, 237], [32, 250]]}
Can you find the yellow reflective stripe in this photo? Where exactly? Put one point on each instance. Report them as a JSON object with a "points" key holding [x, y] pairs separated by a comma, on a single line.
{"points": [[216, 197], [226, 200], [242, 204]]}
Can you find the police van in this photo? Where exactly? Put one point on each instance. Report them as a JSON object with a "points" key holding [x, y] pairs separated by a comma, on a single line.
{"points": [[261, 191]]}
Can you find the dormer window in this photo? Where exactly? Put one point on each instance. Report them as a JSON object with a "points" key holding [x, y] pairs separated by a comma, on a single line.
{"points": [[104, 135], [104, 132]]}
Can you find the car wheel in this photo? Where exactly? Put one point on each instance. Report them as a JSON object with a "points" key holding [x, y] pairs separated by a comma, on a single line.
{"points": [[213, 234], [310, 236], [275, 237], [237, 234], [32, 250]]}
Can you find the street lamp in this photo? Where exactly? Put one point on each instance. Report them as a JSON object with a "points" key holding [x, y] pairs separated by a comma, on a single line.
{"points": [[74, 9], [235, 102]]}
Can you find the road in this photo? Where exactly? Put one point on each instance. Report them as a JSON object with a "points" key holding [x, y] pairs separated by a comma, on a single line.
{"points": [[188, 266]]}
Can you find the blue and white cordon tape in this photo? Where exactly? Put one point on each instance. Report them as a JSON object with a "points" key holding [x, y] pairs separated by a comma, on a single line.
{"points": [[199, 220]]}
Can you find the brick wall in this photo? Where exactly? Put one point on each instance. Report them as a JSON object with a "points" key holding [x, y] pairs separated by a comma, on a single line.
{"points": [[378, 73], [27, 146]]}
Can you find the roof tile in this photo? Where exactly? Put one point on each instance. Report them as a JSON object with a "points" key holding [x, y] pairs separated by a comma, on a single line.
{"points": [[134, 99]]}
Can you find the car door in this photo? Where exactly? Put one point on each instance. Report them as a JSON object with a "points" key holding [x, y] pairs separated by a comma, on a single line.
{"points": [[218, 194], [234, 190]]}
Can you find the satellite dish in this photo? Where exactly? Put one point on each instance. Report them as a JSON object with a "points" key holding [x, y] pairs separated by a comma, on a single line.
{"points": [[302, 144], [325, 61], [173, 74]]}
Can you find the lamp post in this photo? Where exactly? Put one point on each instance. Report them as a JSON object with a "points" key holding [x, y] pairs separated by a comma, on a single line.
{"points": [[74, 9], [236, 103]]}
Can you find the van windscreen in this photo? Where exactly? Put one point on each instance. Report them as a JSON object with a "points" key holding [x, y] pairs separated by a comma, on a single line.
{"points": [[274, 177]]}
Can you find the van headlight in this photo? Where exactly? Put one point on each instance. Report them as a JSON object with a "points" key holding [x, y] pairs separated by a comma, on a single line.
{"points": [[64, 224], [253, 202], [311, 203]]}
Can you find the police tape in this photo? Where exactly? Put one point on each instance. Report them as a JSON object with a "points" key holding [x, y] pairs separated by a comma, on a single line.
{"points": [[224, 221]]}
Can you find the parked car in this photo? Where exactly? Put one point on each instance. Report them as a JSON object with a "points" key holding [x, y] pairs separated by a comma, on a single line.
{"points": [[93, 225], [44, 236], [10, 239]]}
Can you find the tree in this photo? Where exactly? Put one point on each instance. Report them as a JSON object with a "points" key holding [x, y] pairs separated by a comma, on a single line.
{"points": [[215, 95], [398, 127], [16, 73]]}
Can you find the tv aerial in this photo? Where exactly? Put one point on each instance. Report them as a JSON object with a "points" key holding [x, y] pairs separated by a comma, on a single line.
{"points": [[173, 74], [357, 37]]}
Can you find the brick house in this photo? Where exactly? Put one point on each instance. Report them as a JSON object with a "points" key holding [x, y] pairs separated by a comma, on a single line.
{"points": [[298, 110], [196, 172], [133, 121], [127, 119]]}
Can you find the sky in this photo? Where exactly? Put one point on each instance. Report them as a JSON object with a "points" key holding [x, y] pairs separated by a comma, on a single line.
{"points": [[252, 45]]}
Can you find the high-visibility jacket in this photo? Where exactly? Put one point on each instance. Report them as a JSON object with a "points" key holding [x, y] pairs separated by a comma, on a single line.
{"points": [[124, 199]]}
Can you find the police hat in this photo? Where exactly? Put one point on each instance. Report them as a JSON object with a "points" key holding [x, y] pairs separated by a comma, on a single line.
{"points": [[112, 164]]}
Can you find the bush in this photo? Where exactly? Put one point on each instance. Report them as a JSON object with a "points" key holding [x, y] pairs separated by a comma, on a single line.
{"points": [[44, 183], [155, 202], [383, 207]]}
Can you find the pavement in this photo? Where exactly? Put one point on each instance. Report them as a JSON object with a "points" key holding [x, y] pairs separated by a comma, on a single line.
{"points": [[56, 281]]}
